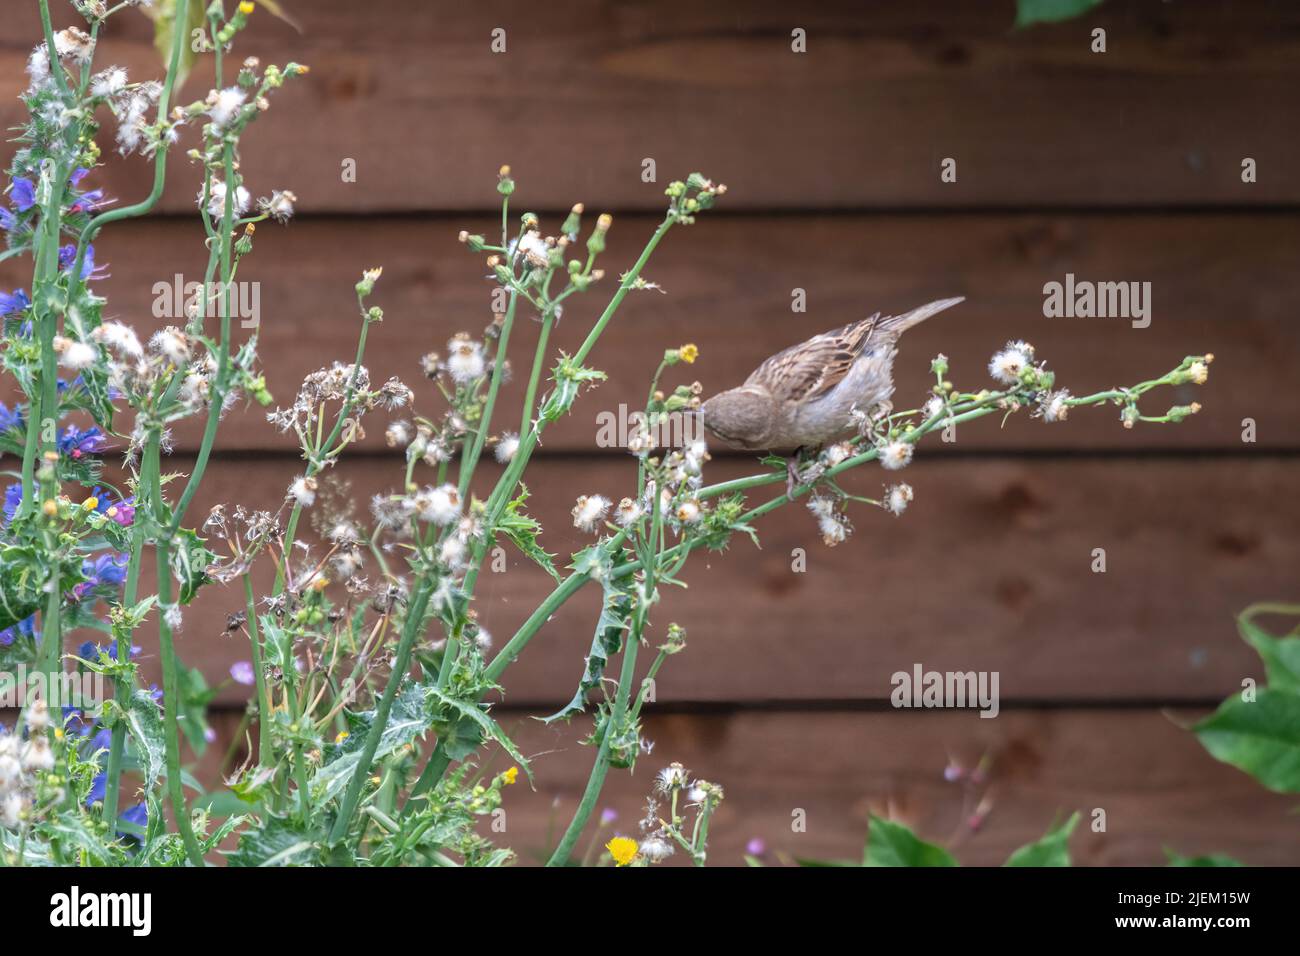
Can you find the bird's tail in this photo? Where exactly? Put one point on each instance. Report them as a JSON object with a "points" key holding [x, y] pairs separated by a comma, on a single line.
{"points": [[896, 325]]}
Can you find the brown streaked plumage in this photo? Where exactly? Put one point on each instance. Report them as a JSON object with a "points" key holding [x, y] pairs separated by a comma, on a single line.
{"points": [[803, 397]]}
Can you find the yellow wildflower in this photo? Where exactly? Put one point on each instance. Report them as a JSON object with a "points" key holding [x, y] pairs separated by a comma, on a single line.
{"points": [[511, 775], [689, 353], [622, 849]]}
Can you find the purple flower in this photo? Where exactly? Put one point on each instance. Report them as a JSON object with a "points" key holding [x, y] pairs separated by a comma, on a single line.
{"points": [[105, 571], [123, 512], [608, 816], [76, 443], [23, 194], [8, 221], [242, 673], [68, 258], [15, 303], [756, 847]]}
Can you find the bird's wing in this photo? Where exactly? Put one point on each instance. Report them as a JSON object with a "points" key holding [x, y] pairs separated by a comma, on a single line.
{"points": [[814, 367]]}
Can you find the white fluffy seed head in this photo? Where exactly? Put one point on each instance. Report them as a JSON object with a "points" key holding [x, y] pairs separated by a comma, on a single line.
{"points": [[895, 455], [441, 505], [588, 512]]}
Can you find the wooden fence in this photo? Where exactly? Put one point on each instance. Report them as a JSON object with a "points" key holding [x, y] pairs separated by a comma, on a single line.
{"points": [[1122, 166]]}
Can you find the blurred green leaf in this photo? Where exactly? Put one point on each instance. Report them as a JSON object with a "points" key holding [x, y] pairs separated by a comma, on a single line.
{"points": [[1213, 859], [165, 15], [1051, 11], [1281, 655], [893, 844], [1051, 850]]}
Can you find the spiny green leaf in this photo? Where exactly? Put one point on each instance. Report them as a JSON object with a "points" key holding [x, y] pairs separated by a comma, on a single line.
{"points": [[489, 727], [410, 717], [523, 530], [615, 613], [189, 562], [279, 841], [144, 721]]}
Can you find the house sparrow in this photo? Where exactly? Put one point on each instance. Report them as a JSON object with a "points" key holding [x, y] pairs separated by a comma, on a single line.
{"points": [[804, 397]]}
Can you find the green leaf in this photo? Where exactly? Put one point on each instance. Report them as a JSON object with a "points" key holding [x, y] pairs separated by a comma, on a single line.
{"points": [[189, 563], [1261, 737], [1050, 850], [410, 717], [523, 530], [1281, 655], [144, 721], [279, 841], [1051, 11], [165, 18], [471, 711], [893, 844], [22, 578], [1212, 859], [615, 613], [192, 717]]}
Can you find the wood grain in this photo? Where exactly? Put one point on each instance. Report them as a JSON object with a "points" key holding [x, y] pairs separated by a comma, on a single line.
{"points": [[413, 93], [990, 569], [1158, 788], [1219, 283]]}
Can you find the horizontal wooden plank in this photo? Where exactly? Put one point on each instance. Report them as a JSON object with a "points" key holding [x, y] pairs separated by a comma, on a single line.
{"points": [[1158, 788], [989, 569], [1219, 283], [414, 94]]}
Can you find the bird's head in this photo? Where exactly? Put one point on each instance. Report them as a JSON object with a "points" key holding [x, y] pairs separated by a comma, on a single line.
{"points": [[740, 416]]}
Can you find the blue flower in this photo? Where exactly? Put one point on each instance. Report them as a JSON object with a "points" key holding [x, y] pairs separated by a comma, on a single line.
{"points": [[76, 443], [23, 194], [98, 787], [107, 569], [137, 815], [10, 419], [13, 498], [8, 221], [15, 303], [25, 628], [68, 258]]}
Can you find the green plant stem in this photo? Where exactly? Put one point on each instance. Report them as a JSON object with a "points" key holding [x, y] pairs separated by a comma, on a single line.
{"points": [[159, 172], [314, 463], [411, 628], [539, 361], [259, 676], [600, 768], [125, 684]]}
